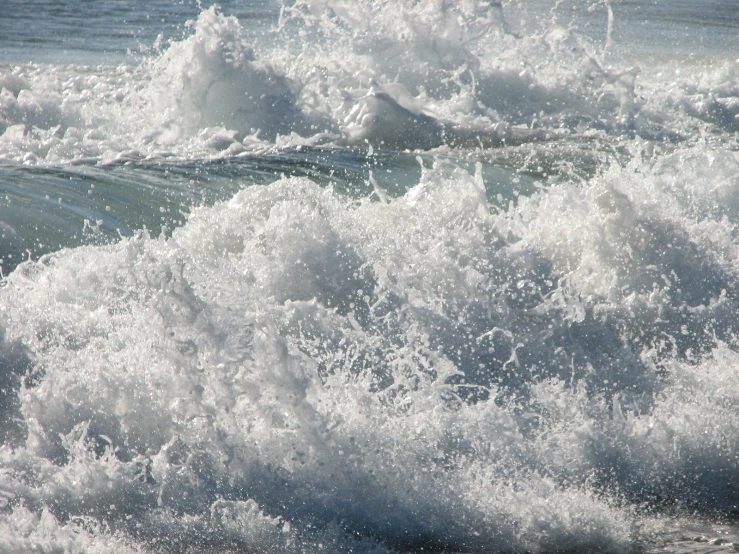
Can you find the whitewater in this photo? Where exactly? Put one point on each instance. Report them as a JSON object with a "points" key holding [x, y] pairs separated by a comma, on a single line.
{"points": [[369, 276]]}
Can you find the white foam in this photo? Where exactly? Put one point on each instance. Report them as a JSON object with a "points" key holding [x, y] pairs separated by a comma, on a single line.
{"points": [[419, 77], [294, 354], [294, 370]]}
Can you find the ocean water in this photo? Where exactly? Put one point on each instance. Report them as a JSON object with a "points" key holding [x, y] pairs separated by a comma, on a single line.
{"points": [[369, 276]]}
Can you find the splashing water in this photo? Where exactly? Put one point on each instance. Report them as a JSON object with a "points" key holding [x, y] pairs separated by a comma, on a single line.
{"points": [[399, 276]]}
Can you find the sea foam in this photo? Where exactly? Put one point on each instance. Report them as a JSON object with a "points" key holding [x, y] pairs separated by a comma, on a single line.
{"points": [[328, 77], [456, 364], [467, 380]]}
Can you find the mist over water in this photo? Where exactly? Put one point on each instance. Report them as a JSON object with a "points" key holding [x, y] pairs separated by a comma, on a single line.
{"points": [[327, 276]]}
